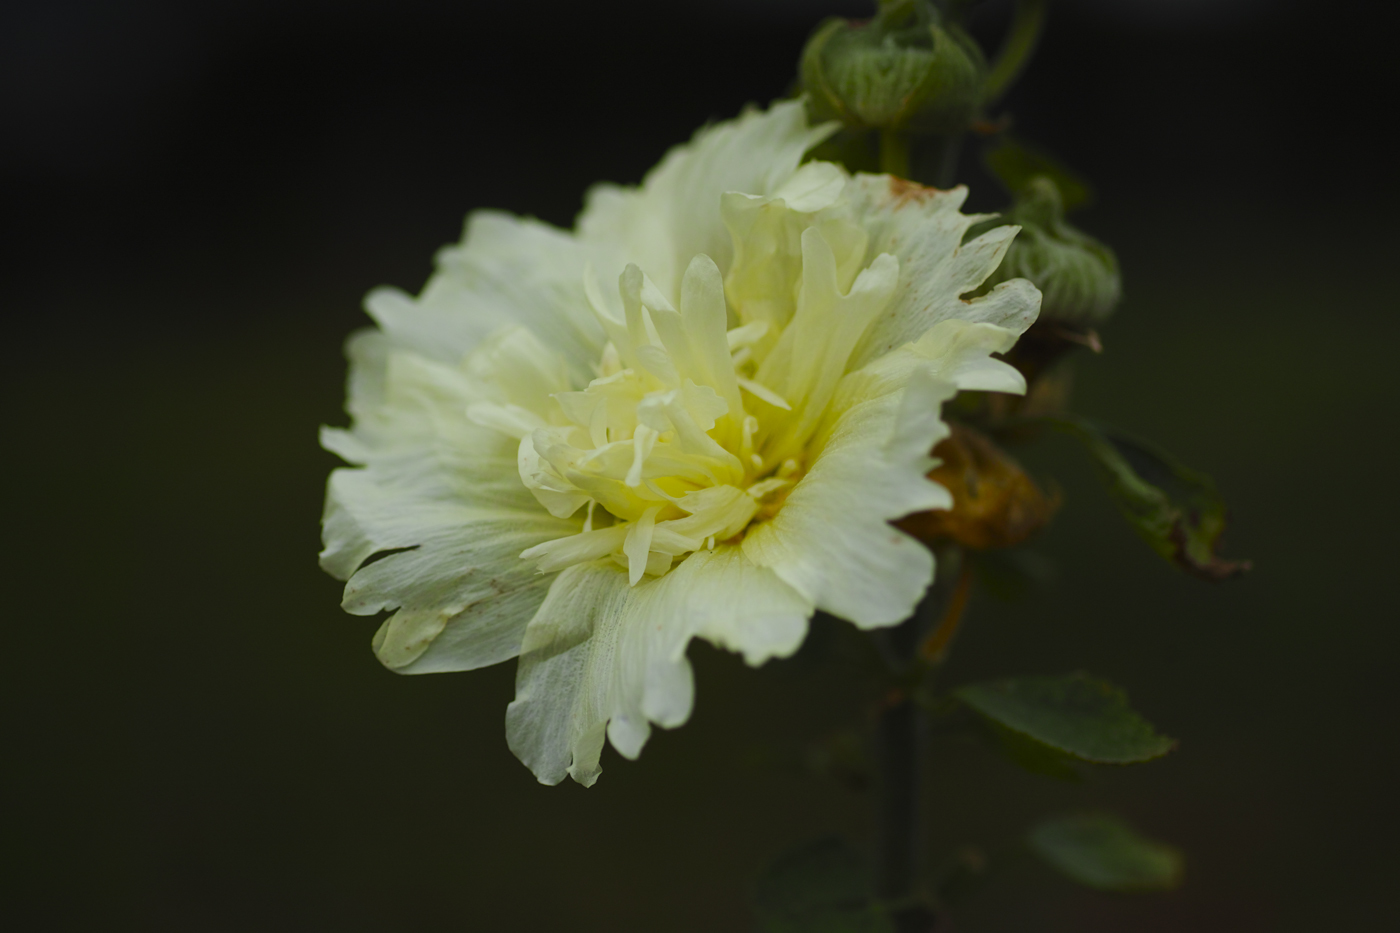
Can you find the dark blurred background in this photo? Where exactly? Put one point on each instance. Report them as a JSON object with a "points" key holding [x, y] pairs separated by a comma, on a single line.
{"points": [[196, 196]]}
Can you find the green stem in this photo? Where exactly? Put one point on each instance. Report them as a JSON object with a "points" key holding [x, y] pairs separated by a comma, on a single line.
{"points": [[900, 751], [894, 153], [938, 160], [1026, 25], [900, 745]]}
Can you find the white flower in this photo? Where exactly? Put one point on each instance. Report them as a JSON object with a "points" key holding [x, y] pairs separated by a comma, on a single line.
{"points": [[694, 416]]}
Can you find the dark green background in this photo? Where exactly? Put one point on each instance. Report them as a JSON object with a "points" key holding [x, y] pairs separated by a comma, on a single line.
{"points": [[197, 739]]}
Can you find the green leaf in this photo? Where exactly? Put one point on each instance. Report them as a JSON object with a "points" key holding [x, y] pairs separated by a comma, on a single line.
{"points": [[822, 887], [1073, 715], [1015, 164], [1176, 510], [1102, 852], [1036, 757]]}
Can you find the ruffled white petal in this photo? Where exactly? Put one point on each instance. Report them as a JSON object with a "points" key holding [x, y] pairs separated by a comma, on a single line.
{"points": [[605, 658], [446, 489], [954, 351], [462, 593], [832, 541], [674, 215], [924, 228], [745, 608], [507, 271]]}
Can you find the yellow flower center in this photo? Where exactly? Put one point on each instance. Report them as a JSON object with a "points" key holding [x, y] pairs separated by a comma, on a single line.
{"points": [[693, 428]]}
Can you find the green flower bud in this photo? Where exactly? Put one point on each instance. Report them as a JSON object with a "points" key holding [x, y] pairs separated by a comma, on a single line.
{"points": [[904, 71], [1076, 274]]}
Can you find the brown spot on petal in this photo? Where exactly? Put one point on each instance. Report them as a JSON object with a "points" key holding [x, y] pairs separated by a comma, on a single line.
{"points": [[904, 192]]}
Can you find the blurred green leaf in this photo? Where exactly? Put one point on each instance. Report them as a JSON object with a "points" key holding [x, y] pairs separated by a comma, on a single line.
{"points": [[1101, 851], [822, 887], [1176, 510], [1074, 714], [1014, 164], [1033, 756]]}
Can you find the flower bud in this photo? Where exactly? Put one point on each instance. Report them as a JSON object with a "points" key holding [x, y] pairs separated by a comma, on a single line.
{"points": [[1077, 275], [904, 70]]}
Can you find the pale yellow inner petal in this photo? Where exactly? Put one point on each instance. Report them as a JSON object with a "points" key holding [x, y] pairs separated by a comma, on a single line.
{"points": [[698, 422]]}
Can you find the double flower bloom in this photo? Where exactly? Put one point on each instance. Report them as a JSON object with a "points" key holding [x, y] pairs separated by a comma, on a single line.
{"points": [[694, 416]]}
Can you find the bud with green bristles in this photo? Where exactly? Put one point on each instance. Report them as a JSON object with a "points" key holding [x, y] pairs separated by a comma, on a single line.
{"points": [[905, 71], [1077, 275]]}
